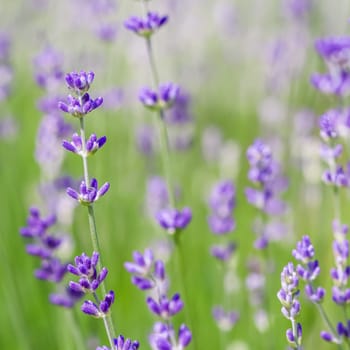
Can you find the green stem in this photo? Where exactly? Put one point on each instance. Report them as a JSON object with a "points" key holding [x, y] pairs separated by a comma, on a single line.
{"points": [[163, 133], [165, 154], [327, 321], [152, 62]]}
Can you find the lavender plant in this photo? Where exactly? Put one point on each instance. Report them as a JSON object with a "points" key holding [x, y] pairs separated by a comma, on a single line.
{"points": [[90, 271], [159, 99]]}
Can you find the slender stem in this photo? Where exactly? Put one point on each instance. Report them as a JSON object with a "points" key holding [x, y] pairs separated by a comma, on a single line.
{"points": [[163, 133], [326, 320], [165, 154], [152, 63], [107, 320]]}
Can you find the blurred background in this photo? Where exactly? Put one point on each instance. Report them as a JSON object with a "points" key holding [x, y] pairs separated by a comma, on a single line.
{"points": [[244, 68]]}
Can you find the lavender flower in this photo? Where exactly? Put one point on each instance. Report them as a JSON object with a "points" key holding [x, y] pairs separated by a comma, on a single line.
{"points": [[80, 107], [121, 343], [225, 320], [335, 52], [343, 332], [146, 27], [85, 269], [88, 195], [92, 145], [288, 296], [174, 220], [159, 100], [147, 273], [309, 269], [101, 310], [165, 308], [79, 82]]}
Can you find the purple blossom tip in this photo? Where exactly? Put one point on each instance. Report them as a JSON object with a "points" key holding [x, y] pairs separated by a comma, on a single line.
{"points": [[159, 100], [174, 220], [79, 82], [145, 27], [88, 195]]}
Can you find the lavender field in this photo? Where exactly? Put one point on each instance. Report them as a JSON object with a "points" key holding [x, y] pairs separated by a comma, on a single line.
{"points": [[175, 174]]}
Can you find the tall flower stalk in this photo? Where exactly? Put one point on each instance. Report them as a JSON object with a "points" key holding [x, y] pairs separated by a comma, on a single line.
{"points": [[90, 270], [159, 99]]}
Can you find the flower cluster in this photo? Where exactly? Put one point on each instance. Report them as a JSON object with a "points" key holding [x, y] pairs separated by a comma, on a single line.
{"points": [[335, 51], [92, 145], [149, 274], [81, 104], [88, 194], [89, 280], [159, 100], [288, 296], [174, 220], [146, 27], [334, 124], [308, 269]]}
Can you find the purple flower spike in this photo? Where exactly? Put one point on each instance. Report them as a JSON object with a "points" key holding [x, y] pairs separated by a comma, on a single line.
{"points": [[145, 27], [88, 195], [174, 220], [159, 100], [93, 144], [79, 82]]}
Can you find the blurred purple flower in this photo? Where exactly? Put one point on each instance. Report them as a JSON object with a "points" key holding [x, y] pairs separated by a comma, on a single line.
{"points": [[146, 27]]}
